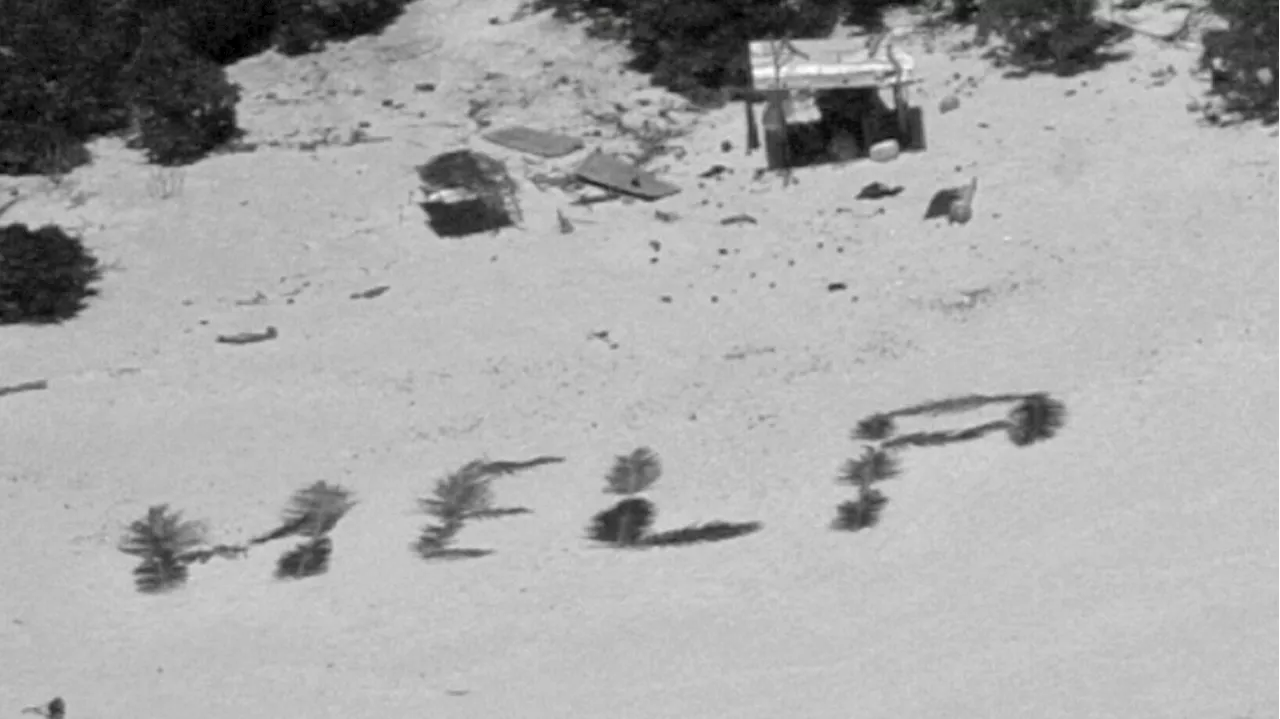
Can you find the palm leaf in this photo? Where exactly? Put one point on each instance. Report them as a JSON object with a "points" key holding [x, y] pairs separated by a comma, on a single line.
{"points": [[634, 473], [460, 495], [162, 534], [314, 511], [1036, 418]]}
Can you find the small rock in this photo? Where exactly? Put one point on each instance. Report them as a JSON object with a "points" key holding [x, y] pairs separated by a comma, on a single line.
{"points": [[948, 103], [885, 151]]}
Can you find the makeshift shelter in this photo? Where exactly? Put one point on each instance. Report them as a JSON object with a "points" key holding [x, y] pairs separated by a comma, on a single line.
{"points": [[467, 192], [845, 77]]}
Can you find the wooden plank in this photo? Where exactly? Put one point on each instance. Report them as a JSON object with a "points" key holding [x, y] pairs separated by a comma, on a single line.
{"points": [[534, 142], [834, 63], [621, 176]]}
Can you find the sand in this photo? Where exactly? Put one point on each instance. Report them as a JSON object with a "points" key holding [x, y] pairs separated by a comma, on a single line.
{"points": [[1121, 257]]}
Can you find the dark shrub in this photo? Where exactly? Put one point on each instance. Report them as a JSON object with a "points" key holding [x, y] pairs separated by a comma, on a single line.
{"points": [[44, 275], [183, 103], [226, 30], [38, 149], [688, 45], [1051, 33], [59, 64], [1244, 57], [305, 25]]}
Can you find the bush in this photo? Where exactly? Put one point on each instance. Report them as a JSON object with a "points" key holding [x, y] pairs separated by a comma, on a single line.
{"points": [[183, 103], [305, 25], [44, 275], [60, 61], [1244, 56], [689, 45], [1035, 31], [74, 69]]}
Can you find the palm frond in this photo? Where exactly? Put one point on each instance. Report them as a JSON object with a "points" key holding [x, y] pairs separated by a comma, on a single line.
{"points": [[934, 439], [863, 513], [953, 405], [160, 574], [315, 510], [461, 495], [874, 428], [625, 524], [875, 465], [162, 534], [306, 560], [1038, 417], [633, 473]]}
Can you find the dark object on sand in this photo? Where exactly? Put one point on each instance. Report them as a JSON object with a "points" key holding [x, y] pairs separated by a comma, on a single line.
{"points": [[55, 709], [879, 190], [247, 338], [953, 203], [370, 293], [45, 275], [621, 176], [466, 193], [23, 387]]}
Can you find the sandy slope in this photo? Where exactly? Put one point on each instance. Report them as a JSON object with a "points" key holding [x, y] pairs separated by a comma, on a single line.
{"points": [[1127, 569]]}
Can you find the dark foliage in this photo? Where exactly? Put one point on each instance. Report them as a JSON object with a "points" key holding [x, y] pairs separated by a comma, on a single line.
{"points": [[874, 428], [692, 45], [875, 465], [710, 532], [223, 31], [1035, 419], [305, 560], [305, 25], [39, 149], [624, 524], [1244, 58], [54, 709], [463, 495], [45, 275], [633, 473], [182, 101], [1059, 36], [161, 541], [936, 439], [863, 513], [75, 69]]}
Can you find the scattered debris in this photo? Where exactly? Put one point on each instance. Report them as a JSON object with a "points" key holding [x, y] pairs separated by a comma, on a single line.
{"points": [[603, 336], [467, 192], [665, 216], [371, 293], [425, 87], [24, 387], [948, 103], [565, 225], [713, 172], [837, 286], [55, 709], [726, 146], [586, 200], [961, 210], [953, 203], [743, 219], [535, 142], [878, 190], [618, 175], [245, 338]]}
